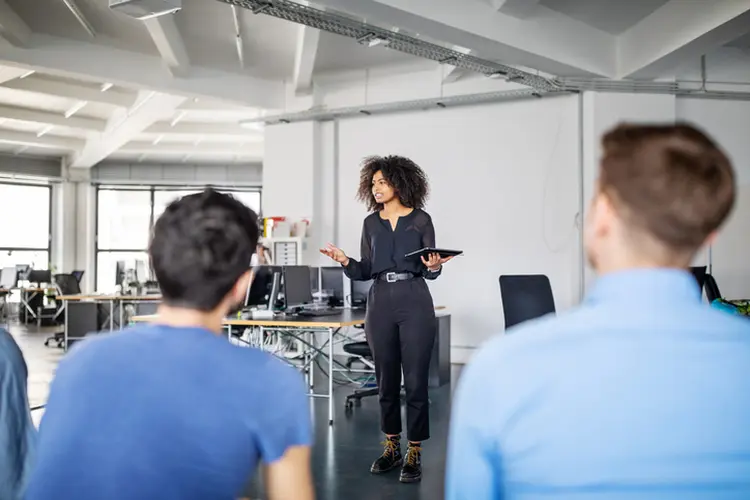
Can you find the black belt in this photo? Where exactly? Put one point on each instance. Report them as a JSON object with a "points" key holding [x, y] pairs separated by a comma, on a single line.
{"points": [[393, 277]]}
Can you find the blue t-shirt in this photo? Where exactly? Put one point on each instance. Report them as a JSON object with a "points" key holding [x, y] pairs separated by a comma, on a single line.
{"points": [[168, 413]]}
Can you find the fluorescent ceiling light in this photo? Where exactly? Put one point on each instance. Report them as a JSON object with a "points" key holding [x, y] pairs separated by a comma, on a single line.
{"points": [[75, 109], [253, 125], [106, 86], [46, 130]]}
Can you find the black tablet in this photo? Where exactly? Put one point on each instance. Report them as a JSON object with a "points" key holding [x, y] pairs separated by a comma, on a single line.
{"points": [[443, 252]]}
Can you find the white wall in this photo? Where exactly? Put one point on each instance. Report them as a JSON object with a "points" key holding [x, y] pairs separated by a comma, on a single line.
{"points": [[728, 122], [601, 112], [504, 181]]}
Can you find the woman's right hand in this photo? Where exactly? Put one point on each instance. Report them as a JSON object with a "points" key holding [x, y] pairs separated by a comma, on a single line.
{"points": [[335, 253]]}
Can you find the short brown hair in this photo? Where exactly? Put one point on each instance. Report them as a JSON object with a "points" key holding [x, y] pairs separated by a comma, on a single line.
{"points": [[670, 181]]}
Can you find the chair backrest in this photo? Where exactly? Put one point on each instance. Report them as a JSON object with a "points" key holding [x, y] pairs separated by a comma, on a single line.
{"points": [[68, 284], [699, 273], [525, 297], [712, 289]]}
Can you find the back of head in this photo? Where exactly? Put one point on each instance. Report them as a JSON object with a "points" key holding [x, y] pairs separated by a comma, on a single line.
{"points": [[201, 246], [671, 186]]}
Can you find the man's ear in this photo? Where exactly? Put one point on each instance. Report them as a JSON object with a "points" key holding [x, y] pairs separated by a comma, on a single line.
{"points": [[711, 239]]}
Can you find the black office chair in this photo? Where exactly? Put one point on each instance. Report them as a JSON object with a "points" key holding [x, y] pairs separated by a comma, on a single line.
{"points": [[712, 289], [66, 284], [699, 273], [359, 351], [525, 297]]}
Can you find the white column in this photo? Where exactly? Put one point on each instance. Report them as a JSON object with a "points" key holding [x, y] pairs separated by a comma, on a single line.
{"points": [[82, 238], [602, 112], [64, 207]]}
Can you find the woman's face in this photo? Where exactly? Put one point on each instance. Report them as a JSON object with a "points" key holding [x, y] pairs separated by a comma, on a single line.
{"points": [[381, 190]]}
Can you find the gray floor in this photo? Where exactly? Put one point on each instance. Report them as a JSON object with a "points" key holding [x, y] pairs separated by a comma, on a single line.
{"points": [[342, 454]]}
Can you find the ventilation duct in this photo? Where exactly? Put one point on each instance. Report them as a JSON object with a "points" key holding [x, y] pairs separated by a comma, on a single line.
{"points": [[369, 34], [322, 114]]}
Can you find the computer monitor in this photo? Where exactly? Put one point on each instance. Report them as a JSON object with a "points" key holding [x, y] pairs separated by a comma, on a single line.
{"points": [[314, 279], [23, 271], [297, 286], [8, 278], [258, 293], [119, 272], [360, 290], [332, 280], [141, 271]]}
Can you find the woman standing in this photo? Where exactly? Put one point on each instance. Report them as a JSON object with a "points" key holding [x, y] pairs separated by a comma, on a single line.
{"points": [[400, 324]]}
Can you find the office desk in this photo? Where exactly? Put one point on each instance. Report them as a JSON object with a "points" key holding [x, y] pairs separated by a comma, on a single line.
{"points": [[305, 329], [81, 312]]}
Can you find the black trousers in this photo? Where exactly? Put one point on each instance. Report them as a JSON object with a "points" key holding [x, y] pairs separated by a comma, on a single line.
{"points": [[400, 327]]}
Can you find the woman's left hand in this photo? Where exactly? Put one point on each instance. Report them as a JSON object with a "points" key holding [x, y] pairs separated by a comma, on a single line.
{"points": [[434, 261]]}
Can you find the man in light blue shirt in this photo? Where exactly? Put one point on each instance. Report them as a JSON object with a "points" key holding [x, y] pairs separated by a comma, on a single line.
{"points": [[642, 392]]}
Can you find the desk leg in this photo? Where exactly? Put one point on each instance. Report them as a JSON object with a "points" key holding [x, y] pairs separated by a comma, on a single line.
{"points": [[311, 359], [111, 315], [330, 376], [121, 314]]}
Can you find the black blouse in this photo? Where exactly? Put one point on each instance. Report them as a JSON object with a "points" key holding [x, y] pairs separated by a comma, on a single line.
{"points": [[383, 248]]}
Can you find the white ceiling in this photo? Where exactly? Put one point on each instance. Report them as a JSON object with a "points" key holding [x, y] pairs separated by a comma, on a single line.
{"points": [[178, 86], [611, 16]]}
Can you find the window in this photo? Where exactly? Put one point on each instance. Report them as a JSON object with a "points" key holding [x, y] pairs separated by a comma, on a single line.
{"points": [[25, 236], [163, 198], [124, 221]]}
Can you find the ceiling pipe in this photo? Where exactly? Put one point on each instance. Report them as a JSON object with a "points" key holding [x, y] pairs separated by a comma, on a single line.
{"points": [[82, 20], [340, 24]]}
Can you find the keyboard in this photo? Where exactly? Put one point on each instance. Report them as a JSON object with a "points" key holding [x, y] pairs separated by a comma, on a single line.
{"points": [[313, 313]]}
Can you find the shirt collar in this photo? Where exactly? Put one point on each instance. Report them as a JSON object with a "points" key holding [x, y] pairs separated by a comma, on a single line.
{"points": [[646, 285]]}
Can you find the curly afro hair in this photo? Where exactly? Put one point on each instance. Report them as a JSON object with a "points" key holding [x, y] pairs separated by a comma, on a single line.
{"points": [[408, 181]]}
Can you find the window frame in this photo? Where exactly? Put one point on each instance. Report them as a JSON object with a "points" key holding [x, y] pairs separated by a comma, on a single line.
{"points": [[152, 188], [48, 248]]}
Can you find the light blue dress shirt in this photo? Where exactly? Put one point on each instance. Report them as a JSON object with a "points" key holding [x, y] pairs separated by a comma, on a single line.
{"points": [[642, 392]]}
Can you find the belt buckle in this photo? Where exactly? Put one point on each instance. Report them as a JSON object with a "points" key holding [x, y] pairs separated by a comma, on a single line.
{"points": [[391, 277]]}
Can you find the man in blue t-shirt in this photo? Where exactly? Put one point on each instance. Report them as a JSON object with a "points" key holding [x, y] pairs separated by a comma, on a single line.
{"points": [[172, 410]]}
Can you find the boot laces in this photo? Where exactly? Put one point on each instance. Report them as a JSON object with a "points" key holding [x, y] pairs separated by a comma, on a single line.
{"points": [[390, 447], [412, 455]]}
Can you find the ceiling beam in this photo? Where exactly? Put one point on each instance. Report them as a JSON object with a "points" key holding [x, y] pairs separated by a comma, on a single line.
{"points": [[47, 118], [203, 129], [100, 63], [12, 27], [520, 9], [41, 85], [304, 59], [34, 140], [176, 148], [169, 43], [553, 43], [647, 50], [124, 125]]}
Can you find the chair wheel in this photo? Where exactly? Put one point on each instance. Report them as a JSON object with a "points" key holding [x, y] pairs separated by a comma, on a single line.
{"points": [[358, 402], [46, 343]]}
